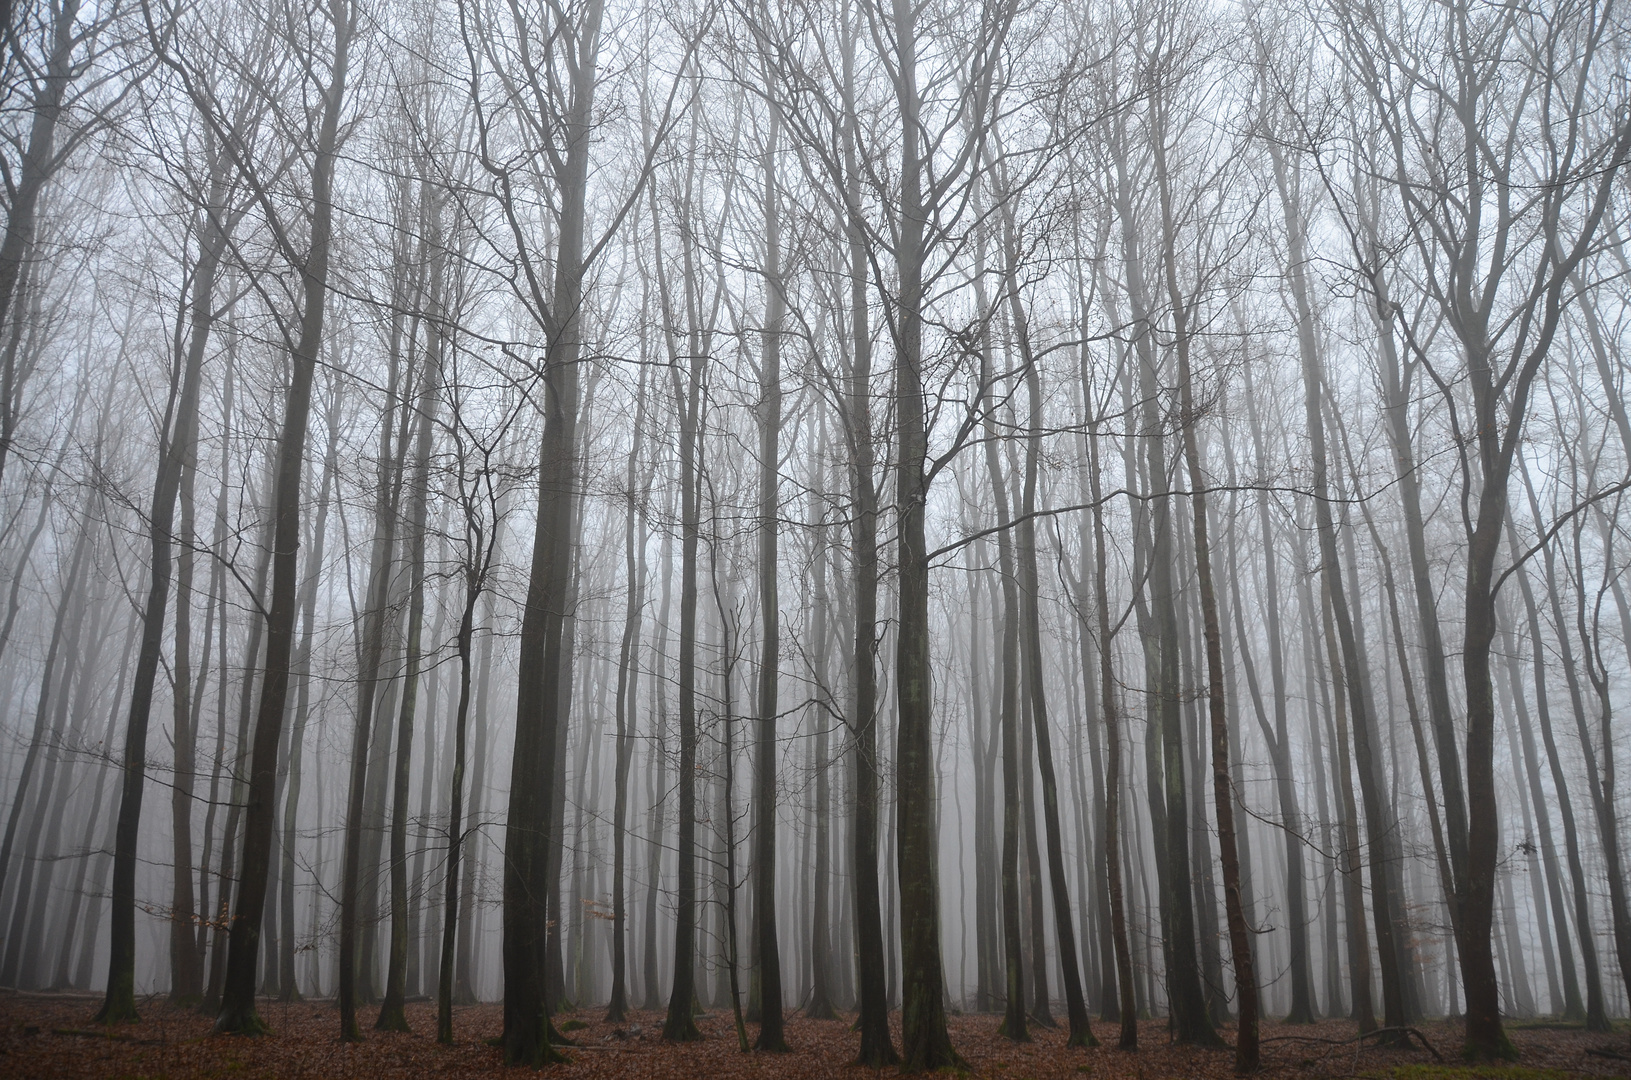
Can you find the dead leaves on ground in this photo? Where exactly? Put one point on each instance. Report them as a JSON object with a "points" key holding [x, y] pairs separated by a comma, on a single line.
{"points": [[52, 1037]]}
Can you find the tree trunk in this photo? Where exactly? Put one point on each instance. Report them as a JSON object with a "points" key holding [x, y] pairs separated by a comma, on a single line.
{"points": [[771, 1030], [1278, 739], [1378, 818], [628, 676], [1240, 947], [877, 1045], [287, 986], [680, 1023], [1014, 1022], [176, 451], [658, 779], [371, 634], [1128, 1006], [186, 965], [426, 408], [1081, 1031], [820, 1006], [61, 661], [1166, 763], [238, 999]]}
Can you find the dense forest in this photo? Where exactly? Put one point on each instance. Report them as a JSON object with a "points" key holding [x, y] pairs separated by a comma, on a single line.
{"points": [[1071, 510]]}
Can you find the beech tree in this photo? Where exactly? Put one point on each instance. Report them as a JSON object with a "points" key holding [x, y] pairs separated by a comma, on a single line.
{"points": [[788, 510]]}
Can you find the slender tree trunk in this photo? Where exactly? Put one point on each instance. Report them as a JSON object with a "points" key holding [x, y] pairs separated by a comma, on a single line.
{"points": [[476, 562], [370, 655], [820, 1006], [464, 976], [628, 669], [1388, 919], [1240, 947], [1359, 969], [61, 661], [238, 998], [680, 1023], [1128, 1006], [925, 1043], [215, 618], [771, 1030], [1165, 755], [288, 990], [391, 1015], [877, 1045], [176, 450], [1596, 1011], [544, 663], [186, 965], [658, 778], [1014, 1021], [1081, 1031]]}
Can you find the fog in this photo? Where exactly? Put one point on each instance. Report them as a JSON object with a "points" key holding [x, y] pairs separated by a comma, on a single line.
{"points": [[1062, 510]]}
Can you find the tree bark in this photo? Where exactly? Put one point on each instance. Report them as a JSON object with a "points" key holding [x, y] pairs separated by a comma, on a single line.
{"points": [[238, 997], [771, 1029], [426, 408], [176, 450], [1240, 947]]}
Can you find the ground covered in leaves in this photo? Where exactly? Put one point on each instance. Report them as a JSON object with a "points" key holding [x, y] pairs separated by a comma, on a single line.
{"points": [[53, 1037]]}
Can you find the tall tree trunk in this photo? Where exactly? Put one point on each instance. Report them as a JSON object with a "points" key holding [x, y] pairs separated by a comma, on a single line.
{"points": [[215, 618], [426, 408], [680, 1022], [1358, 941], [1128, 1006], [628, 676], [1081, 1031], [1596, 1010], [1165, 759], [1397, 378], [186, 965], [176, 450], [238, 998], [1378, 819], [1014, 1022], [924, 1040], [464, 976], [478, 554], [820, 1006], [288, 990], [658, 779], [544, 663], [1278, 739], [771, 1030], [877, 1045], [1240, 947], [371, 634]]}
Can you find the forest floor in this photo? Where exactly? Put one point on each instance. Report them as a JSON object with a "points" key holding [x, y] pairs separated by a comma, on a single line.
{"points": [[53, 1037]]}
